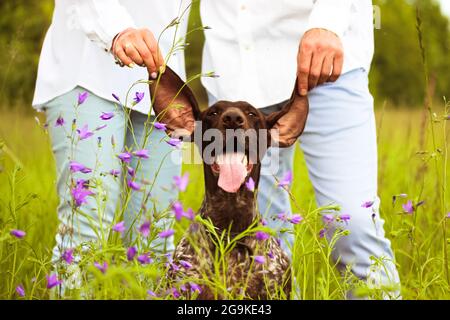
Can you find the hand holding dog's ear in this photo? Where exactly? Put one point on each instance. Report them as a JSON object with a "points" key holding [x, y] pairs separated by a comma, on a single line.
{"points": [[288, 124], [174, 103]]}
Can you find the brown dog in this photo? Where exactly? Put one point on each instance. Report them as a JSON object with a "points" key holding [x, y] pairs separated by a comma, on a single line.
{"points": [[228, 203]]}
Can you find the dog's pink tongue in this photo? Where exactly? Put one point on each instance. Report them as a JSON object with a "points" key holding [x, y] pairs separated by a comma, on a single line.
{"points": [[232, 171]]}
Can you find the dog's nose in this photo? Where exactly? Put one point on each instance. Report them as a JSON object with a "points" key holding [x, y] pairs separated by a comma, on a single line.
{"points": [[233, 119]]}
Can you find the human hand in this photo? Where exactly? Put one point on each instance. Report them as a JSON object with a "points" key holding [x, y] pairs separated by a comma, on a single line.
{"points": [[320, 59], [138, 46]]}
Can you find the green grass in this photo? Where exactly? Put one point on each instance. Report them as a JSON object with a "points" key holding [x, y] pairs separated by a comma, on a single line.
{"points": [[408, 163]]}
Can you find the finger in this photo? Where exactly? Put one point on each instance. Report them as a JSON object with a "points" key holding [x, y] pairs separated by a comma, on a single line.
{"points": [[326, 70], [304, 66], [152, 44], [123, 56], [145, 54], [132, 53], [316, 69], [337, 67]]}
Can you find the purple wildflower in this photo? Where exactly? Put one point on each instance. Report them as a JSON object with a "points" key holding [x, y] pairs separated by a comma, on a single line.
{"points": [[102, 267], [145, 258], [185, 264], [345, 217], [282, 216], [151, 293], [160, 126], [68, 256], [167, 233], [60, 122], [448, 215], [175, 293], [328, 218], [20, 290], [19, 234], [116, 97], [131, 253], [295, 219], [131, 171], [261, 236], [270, 255], [260, 259], [125, 157], [138, 97], [263, 222], [189, 214], [181, 182], [84, 132], [82, 97], [367, 204], [107, 115], [174, 142], [286, 180], [82, 183], [114, 172], [177, 209], [78, 167], [142, 154], [322, 233], [52, 281], [408, 207], [80, 193], [195, 287], [174, 267], [278, 241], [119, 227], [250, 184], [134, 185], [144, 229]]}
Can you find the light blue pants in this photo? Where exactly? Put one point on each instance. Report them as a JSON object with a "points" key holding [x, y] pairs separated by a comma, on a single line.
{"points": [[114, 139], [340, 148]]}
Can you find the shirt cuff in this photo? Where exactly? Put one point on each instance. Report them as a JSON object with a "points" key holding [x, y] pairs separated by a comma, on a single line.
{"points": [[102, 20], [332, 15]]}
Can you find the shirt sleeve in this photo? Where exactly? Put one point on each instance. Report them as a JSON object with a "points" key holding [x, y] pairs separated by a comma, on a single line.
{"points": [[102, 20], [332, 15]]}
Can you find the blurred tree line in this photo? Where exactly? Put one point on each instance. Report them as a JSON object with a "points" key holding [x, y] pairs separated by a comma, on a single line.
{"points": [[397, 75]]}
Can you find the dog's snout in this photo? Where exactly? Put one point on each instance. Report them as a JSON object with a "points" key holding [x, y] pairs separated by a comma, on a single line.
{"points": [[233, 119]]}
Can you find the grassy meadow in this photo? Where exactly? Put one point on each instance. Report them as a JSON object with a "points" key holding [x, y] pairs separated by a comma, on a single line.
{"points": [[413, 168], [411, 161]]}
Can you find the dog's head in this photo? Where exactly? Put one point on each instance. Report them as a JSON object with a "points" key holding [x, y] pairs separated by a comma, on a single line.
{"points": [[233, 135]]}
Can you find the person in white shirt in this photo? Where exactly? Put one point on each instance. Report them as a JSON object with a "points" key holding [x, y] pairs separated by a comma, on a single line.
{"points": [[78, 66], [258, 48]]}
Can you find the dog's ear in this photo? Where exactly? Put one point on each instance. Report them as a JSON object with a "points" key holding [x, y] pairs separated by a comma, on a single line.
{"points": [[174, 103], [288, 124]]}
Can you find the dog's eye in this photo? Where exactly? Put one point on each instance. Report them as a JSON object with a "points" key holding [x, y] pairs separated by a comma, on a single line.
{"points": [[252, 114], [212, 114]]}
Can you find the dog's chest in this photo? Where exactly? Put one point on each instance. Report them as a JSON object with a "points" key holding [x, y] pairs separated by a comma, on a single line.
{"points": [[251, 269]]}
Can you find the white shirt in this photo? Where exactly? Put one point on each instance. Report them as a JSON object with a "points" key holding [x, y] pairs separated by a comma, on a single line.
{"points": [[75, 49], [253, 44]]}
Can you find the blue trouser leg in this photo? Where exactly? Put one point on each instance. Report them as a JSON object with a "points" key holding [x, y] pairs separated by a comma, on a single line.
{"points": [[159, 170], [96, 217]]}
